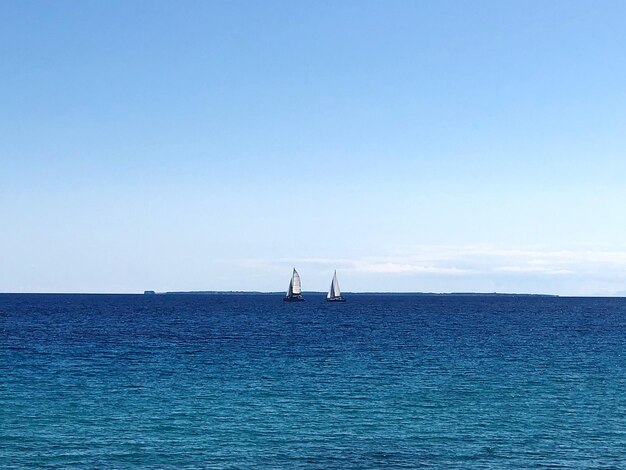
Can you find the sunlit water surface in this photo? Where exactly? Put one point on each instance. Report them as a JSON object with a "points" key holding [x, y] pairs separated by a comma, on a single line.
{"points": [[235, 381]]}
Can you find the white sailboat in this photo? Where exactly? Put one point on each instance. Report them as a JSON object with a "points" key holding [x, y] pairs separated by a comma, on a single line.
{"points": [[334, 294], [294, 292]]}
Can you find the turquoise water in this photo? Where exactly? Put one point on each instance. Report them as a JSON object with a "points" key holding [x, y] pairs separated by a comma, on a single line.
{"points": [[235, 381]]}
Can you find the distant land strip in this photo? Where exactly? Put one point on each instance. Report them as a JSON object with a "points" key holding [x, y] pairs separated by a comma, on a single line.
{"points": [[464, 294]]}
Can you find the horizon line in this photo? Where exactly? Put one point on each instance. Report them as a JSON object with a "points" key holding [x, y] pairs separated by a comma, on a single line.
{"points": [[249, 292]]}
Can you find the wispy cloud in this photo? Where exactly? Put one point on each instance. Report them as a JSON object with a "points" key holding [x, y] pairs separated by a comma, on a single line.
{"points": [[531, 269], [587, 271], [397, 268], [471, 260], [318, 261]]}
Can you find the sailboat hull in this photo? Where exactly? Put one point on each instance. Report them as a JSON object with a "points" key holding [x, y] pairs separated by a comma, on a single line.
{"points": [[294, 298], [336, 299]]}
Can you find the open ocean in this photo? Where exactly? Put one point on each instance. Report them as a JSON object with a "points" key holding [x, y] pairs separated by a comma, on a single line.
{"points": [[381, 381]]}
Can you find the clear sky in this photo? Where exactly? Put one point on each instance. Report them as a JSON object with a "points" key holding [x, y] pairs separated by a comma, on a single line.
{"points": [[411, 145]]}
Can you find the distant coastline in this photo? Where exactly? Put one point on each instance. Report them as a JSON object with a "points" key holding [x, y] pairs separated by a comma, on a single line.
{"points": [[315, 293], [425, 294]]}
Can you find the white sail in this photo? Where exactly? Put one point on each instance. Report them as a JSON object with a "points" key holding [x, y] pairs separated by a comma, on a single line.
{"points": [[334, 291], [295, 285], [290, 288]]}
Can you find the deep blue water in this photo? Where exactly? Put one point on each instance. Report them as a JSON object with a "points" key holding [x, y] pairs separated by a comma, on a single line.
{"points": [[236, 381]]}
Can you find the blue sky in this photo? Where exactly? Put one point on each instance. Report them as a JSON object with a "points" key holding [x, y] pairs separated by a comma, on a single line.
{"points": [[413, 146]]}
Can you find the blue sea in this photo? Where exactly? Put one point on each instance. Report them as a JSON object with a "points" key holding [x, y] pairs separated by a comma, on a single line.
{"points": [[249, 381]]}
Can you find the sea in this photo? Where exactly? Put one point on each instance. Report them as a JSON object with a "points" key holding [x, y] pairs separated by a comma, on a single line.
{"points": [[249, 381]]}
